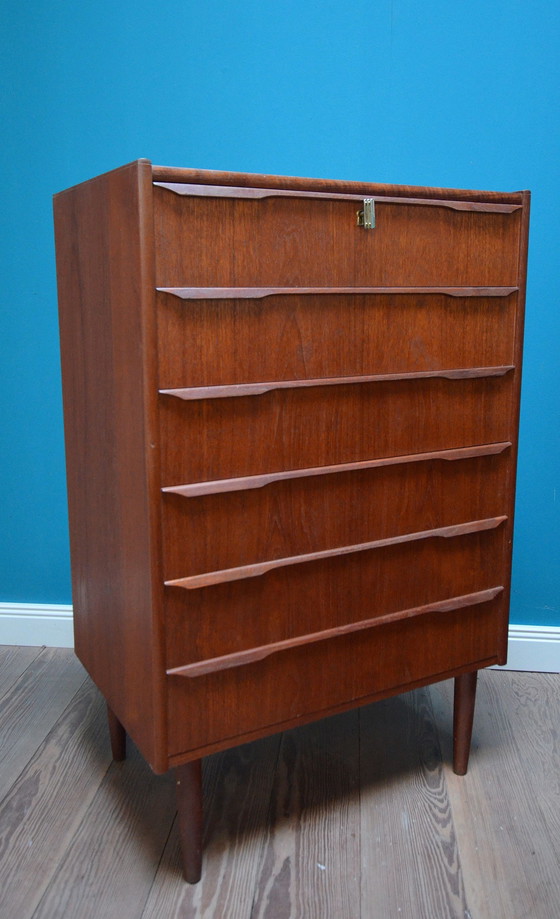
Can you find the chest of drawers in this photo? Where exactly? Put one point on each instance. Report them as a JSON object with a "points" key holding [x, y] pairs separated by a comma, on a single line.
{"points": [[291, 412]]}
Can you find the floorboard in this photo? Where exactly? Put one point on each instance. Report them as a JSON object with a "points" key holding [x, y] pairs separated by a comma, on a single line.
{"points": [[111, 860], [32, 706], [355, 817], [48, 801], [410, 858], [310, 865], [13, 662], [237, 798], [507, 808]]}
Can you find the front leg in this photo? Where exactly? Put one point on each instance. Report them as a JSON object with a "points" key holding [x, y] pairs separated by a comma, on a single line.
{"points": [[463, 713], [188, 783]]}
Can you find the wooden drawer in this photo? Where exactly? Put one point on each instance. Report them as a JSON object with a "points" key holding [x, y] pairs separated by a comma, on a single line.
{"points": [[307, 598], [210, 711], [297, 428], [212, 341], [207, 238], [301, 515]]}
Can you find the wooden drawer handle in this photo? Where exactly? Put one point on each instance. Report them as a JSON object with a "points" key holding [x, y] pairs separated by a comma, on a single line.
{"points": [[232, 191], [193, 582], [244, 483], [236, 390], [259, 293], [242, 658]]}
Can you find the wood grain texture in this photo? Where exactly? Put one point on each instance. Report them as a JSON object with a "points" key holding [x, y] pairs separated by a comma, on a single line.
{"points": [[105, 280], [285, 242], [296, 515], [410, 857], [507, 808], [232, 191], [113, 855], [237, 792], [516, 387], [244, 483], [13, 662], [241, 658], [215, 177], [27, 717], [308, 867], [203, 343], [315, 427], [48, 800], [327, 594], [257, 569], [296, 686]]}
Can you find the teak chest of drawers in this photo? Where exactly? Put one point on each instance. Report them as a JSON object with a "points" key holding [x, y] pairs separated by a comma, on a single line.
{"points": [[291, 411]]}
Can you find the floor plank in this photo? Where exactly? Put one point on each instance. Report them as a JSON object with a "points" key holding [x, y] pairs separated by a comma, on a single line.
{"points": [[410, 857], [237, 795], [46, 804], [110, 863], [32, 706], [507, 807], [13, 662], [310, 866]]}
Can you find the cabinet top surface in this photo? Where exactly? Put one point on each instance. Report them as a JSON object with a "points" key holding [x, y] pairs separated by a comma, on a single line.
{"points": [[294, 183]]}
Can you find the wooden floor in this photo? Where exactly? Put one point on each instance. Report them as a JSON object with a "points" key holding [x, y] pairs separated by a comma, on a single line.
{"points": [[356, 817]]}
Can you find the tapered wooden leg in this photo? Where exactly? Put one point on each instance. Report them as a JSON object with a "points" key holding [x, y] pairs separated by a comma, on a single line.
{"points": [[188, 780], [463, 712], [118, 736]]}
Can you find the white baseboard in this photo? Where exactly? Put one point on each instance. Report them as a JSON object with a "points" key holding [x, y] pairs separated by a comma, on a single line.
{"points": [[531, 647], [39, 624]]}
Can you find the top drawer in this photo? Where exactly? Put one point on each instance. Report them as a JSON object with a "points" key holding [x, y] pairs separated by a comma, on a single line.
{"points": [[223, 236]]}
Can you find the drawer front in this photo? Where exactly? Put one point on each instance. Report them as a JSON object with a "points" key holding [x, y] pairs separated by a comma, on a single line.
{"points": [[299, 240], [217, 709], [336, 424], [296, 516], [311, 597], [206, 342], [283, 430]]}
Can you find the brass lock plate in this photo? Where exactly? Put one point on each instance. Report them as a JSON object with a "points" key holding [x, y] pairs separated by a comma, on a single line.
{"points": [[366, 217]]}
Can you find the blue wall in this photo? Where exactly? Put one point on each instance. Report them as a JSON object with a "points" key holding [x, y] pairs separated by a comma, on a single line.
{"points": [[426, 92]]}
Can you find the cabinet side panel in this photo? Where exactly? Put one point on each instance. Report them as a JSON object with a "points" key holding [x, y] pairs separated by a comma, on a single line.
{"points": [[105, 282]]}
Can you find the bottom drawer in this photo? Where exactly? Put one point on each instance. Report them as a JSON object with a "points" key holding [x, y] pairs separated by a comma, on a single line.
{"points": [[219, 710]]}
